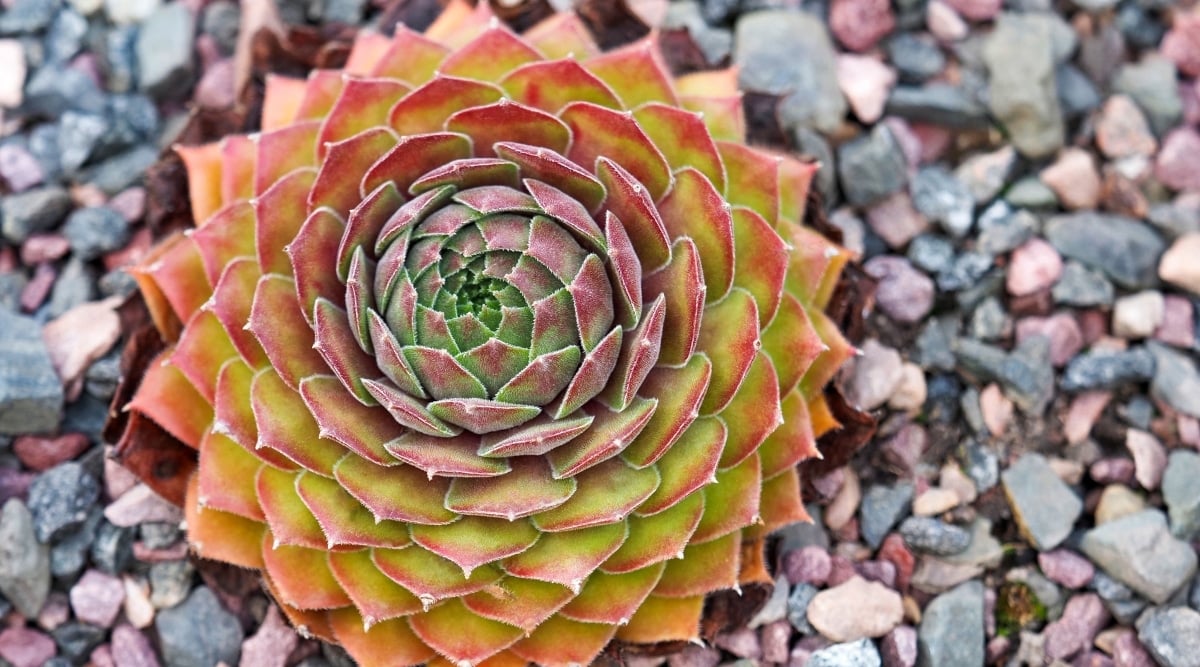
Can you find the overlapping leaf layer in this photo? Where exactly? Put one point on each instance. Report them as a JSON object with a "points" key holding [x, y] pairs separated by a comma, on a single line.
{"points": [[493, 348]]}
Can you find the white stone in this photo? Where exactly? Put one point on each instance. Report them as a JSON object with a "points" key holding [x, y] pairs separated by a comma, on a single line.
{"points": [[1180, 264], [1138, 315], [866, 83], [12, 73], [855, 609], [125, 12]]}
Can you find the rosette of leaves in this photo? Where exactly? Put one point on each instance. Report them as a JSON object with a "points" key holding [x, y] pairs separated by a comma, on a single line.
{"points": [[493, 348]]}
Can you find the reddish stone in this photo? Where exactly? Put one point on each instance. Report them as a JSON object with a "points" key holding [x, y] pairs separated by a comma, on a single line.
{"points": [[14, 483], [1178, 326], [774, 638], [102, 656], [1129, 652], [899, 647], [810, 565], [1034, 266], [1061, 329], [42, 453], [131, 648], [903, 451], [40, 248], [1066, 567], [883, 571], [841, 570], [1083, 617], [894, 551], [1178, 164], [23, 647], [38, 287], [1181, 44], [1115, 470], [859, 24], [976, 10], [271, 645]]}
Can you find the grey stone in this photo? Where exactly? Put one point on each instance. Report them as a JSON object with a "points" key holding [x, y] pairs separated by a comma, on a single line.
{"points": [[940, 196], [990, 283], [951, 632], [810, 142], [935, 345], [64, 37], [797, 607], [982, 465], [983, 549], [776, 606], [76, 285], [716, 44], [1126, 250], [861, 653], [31, 394], [27, 16], [78, 136], [966, 271], [933, 536], [170, 582], [871, 166], [43, 146], [931, 253], [159, 534], [1044, 507], [11, 286], [1181, 492], [1020, 59], [1172, 636], [112, 550], [220, 21], [69, 554], [1003, 230], [1031, 192], [989, 320], [1082, 287], [95, 230], [882, 508], [1139, 551], [1151, 84], [1139, 27], [915, 57], [32, 211], [804, 73], [199, 632], [77, 640], [60, 500], [1122, 602], [54, 88], [1077, 95], [1094, 5], [122, 170], [1176, 379], [938, 103], [802, 534], [345, 12], [166, 64], [1108, 369], [24, 561], [119, 52], [1025, 373]]}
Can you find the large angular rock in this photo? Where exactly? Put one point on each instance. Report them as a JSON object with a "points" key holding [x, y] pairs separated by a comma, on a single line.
{"points": [[1139, 551], [1176, 379], [1124, 249], [1021, 86], [1181, 491], [1044, 507], [951, 632], [1172, 636], [24, 562], [805, 72], [199, 632]]}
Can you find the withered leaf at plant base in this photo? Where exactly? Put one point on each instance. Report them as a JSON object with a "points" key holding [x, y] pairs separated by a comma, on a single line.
{"points": [[156, 457], [841, 444], [611, 22]]}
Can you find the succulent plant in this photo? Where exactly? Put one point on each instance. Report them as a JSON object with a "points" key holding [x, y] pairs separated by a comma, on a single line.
{"points": [[493, 347]]}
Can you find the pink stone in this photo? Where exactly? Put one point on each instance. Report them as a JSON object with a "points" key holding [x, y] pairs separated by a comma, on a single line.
{"points": [[19, 168], [117, 479], [1149, 457], [1113, 470], [42, 453], [130, 203], [896, 552], [215, 89], [177, 551], [695, 656], [1189, 430], [23, 647], [44, 248], [996, 408], [859, 24], [97, 597], [14, 483], [138, 247], [883, 571], [131, 648], [904, 293], [742, 642], [55, 611], [841, 570], [899, 647], [866, 83], [140, 505], [1178, 164], [903, 451], [1181, 44], [1066, 567], [1178, 326], [38, 287], [101, 656], [827, 486], [1061, 329], [976, 10], [1035, 266], [774, 638], [271, 645], [1189, 93], [1073, 177], [809, 565], [1083, 617], [896, 220], [1122, 130], [944, 22], [79, 337], [1129, 652], [935, 140], [1085, 410]]}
